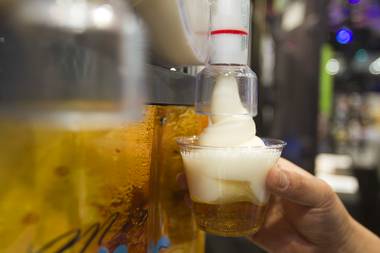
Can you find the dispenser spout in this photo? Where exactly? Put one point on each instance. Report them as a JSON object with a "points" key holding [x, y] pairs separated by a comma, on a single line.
{"points": [[229, 34], [227, 86]]}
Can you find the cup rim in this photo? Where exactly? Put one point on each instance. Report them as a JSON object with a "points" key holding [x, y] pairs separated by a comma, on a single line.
{"points": [[270, 143]]}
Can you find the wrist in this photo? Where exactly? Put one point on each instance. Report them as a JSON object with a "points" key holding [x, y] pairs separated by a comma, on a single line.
{"points": [[358, 239], [348, 244]]}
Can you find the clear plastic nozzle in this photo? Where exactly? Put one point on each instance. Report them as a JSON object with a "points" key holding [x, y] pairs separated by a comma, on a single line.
{"points": [[227, 83], [226, 90]]}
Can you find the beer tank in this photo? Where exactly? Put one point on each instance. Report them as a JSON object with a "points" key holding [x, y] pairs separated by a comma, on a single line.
{"points": [[88, 158]]}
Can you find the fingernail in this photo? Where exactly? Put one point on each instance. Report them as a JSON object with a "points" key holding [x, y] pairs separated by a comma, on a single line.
{"points": [[282, 181]]}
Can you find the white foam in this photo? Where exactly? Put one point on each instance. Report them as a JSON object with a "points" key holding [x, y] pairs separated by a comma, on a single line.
{"points": [[216, 176], [237, 170]]}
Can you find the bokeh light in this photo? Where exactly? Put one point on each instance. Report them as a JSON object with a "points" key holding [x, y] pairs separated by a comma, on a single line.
{"points": [[361, 56], [344, 36], [333, 67], [374, 68], [353, 1]]}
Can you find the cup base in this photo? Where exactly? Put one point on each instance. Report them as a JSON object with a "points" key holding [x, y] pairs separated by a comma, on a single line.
{"points": [[230, 220]]}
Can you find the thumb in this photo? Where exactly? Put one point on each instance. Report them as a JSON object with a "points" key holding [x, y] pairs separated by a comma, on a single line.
{"points": [[292, 183]]}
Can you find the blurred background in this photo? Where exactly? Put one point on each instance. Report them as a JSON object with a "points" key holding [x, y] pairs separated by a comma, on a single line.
{"points": [[319, 67], [318, 63]]}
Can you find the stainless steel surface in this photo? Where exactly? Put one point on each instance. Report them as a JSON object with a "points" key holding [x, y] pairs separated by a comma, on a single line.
{"points": [[170, 87]]}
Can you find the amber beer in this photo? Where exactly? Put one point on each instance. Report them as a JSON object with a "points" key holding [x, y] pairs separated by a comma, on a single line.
{"points": [[227, 184], [175, 220], [234, 219], [74, 188], [83, 188]]}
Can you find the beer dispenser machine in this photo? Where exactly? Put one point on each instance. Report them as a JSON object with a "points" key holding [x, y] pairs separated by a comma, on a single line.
{"points": [[93, 94]]}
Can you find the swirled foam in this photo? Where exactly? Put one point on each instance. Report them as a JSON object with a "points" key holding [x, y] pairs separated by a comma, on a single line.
{"points": [[233, 163]]}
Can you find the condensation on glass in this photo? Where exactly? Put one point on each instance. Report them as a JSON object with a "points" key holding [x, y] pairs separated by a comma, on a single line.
{"points": [[173, 222], [74, 167]]}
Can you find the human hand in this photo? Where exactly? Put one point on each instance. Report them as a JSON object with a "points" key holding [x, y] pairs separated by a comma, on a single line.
{"points": [[307, 216]]}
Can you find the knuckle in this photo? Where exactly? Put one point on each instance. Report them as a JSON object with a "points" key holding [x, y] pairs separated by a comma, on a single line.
{"points": [[297, 183], [328, 194]]}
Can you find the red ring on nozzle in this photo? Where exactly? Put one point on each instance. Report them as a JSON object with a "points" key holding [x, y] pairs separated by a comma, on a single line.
{"points": [[229, 31]]}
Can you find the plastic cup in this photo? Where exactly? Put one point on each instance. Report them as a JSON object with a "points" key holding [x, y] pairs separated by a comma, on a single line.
{"points": [[227, 184]]}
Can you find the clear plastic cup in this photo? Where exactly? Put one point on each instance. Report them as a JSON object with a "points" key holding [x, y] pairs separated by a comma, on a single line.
{"points": [[227, 184]]}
